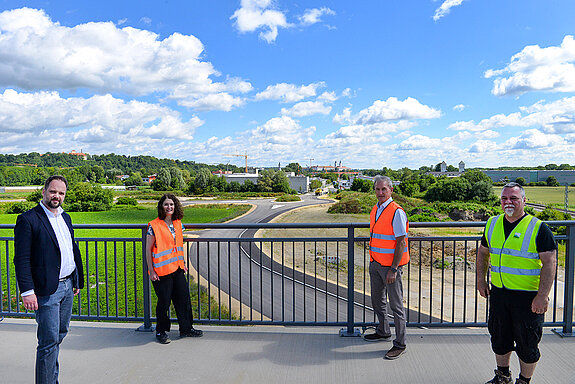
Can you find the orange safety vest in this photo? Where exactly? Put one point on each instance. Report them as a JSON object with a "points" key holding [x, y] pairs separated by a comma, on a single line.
{"points": [[382, 239], [167, 254]]}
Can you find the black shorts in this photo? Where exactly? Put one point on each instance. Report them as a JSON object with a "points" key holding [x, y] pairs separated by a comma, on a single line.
{"points": [[512, 324]]}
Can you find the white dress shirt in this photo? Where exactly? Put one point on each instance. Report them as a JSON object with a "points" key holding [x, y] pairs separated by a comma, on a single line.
{"points": [[399, 219]]}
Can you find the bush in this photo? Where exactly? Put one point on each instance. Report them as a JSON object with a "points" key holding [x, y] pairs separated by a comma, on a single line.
{"points": [[20, 207], [353, 202], [86, 197], [35, 196], [126, 201], [284, 198], [422, 218]]}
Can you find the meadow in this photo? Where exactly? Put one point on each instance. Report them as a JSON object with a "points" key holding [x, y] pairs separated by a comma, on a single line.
{"points": [[114, 268], [554, 196]]}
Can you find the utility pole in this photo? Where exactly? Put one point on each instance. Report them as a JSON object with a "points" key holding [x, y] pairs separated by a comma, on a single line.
{"points": [[566, 197]]}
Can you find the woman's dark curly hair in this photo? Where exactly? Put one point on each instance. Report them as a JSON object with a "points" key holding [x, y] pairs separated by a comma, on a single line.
{"points": [[178, 210]]}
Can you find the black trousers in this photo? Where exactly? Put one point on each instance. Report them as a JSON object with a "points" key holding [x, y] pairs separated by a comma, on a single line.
{"points": [[173, 288]]}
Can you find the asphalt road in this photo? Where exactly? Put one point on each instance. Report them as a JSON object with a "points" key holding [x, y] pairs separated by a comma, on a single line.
{"points": [[232, 261]]}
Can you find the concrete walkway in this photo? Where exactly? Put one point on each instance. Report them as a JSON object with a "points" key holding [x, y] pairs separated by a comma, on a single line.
{"points": [[115, 353]]}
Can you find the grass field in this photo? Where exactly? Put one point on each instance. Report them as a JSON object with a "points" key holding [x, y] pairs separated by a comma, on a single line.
{"points": [[546, 195], [114, 268]]}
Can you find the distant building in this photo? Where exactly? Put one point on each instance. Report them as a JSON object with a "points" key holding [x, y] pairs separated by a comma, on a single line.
{"points": [[445, 172], [79, 154], [531, 176], [299, 184]]}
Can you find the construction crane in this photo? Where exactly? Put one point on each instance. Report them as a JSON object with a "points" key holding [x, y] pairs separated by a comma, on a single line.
{"points": [[310, 160], [244, 156]]}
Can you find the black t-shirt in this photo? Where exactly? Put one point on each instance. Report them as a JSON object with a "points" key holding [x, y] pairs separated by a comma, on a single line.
{"points": [[544, 240]]}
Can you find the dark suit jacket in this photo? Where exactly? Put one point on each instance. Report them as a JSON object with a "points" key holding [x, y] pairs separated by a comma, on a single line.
{"points": [[37, 254]]}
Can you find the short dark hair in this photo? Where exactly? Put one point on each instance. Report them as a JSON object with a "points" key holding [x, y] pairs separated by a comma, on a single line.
{"points": [[55, 177], [178, 209]]}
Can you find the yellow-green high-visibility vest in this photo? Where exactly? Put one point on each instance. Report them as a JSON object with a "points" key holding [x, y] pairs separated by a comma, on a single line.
{"points": [[515, 262]]}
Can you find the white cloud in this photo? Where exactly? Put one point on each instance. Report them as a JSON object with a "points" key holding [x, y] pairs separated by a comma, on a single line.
{"points": [[146, 20], [313, 16], [445, 8], [459, 107], [533, 139], [307, 108], [483, 146], [416, 142], [257, 15], [550, 69], [554, 117], [391, 109], [289, 93], [102, 124], [39, 54], [216, 101]]}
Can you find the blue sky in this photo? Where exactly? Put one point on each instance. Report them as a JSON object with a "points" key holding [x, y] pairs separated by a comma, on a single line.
{"points": [[382, 83]]}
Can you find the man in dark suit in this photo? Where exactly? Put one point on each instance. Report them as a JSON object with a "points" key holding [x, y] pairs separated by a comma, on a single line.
{"points": [[49, 272]]}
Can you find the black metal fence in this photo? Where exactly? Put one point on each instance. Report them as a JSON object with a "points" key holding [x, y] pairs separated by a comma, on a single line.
{"points": [[291, 274]]}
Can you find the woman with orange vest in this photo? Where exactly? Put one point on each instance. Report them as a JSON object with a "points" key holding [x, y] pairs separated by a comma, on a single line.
{"points": [[165, 258]]}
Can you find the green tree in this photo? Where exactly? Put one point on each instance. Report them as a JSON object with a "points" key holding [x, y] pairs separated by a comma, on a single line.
{"points": [[520, 181], [448, 190], [163, 180], [314, 184], [134, 179], [293, 167], [552, 181], [88, 197], [280, 182], [177, 179]]}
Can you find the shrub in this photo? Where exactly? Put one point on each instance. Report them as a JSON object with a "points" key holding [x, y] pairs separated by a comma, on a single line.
{"points": [[20, 207], [126, 201], [35, 196], [86, 197], [422, 218], [284, 198]]}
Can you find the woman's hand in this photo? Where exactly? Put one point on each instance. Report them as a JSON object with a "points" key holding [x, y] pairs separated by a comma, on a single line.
{"points": [[154, 276]]}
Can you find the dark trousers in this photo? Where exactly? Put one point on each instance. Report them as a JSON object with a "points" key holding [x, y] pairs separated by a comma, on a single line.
{"points": [[173, 288]]}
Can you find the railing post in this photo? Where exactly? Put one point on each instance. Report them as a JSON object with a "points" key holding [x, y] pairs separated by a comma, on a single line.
{"points": [[569, 283], [350, 331], [147, 326]]}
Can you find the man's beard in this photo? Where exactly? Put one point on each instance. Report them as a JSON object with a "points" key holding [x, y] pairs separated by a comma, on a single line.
{"points": [[54, 203], [509, 210]]}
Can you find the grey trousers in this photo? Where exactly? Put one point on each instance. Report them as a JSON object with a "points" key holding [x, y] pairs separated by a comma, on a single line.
{"points": [[380, 292]]}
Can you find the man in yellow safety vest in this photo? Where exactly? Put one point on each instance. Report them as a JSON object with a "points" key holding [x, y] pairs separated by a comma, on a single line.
{"points": [[521, 251]]}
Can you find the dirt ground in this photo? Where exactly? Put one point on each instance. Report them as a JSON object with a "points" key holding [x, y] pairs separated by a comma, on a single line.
{"points": [[439, 281]]}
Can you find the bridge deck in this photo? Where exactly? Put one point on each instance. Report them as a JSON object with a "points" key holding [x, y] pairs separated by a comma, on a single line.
{"points": [[115, 353]]}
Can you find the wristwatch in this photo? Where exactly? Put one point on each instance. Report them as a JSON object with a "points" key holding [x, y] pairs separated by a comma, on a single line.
{"points": [[394, 270]]}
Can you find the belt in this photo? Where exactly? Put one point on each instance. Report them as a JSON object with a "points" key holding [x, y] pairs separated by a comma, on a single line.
{"points": [[66, 278]]}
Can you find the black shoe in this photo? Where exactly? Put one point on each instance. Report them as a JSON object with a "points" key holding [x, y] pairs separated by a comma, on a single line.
{"points": [[192, 333], [376, 337], [163, 338]]}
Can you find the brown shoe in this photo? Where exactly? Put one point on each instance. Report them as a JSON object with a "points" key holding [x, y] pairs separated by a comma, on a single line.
{"points": [[500, 378], [394, 352]]}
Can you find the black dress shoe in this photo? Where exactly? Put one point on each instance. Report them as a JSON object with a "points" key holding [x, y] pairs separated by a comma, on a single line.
{"points": [[163, 338], [192, 333]]}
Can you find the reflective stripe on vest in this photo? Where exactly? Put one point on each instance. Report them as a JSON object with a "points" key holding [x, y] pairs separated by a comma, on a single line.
{"points": [[382, 240], [167, 254], [515, 262]]}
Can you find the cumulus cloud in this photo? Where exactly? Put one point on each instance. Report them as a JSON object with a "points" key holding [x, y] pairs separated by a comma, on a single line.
{"points": [[391, 109], [256, 15], [307, 108], [47, 118], [459, 107], [265, 17], [289, 93], [533, 139], [39, 54], [550, 69], [419, 142], [554, 117], [313, 16], [445, 8], [482, 146]]}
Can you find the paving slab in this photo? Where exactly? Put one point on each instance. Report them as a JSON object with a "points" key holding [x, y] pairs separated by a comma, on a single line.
{"points": [[95, 352]]}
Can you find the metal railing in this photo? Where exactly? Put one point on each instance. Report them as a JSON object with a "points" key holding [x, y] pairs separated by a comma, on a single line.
{"points": [[291, 274]]}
